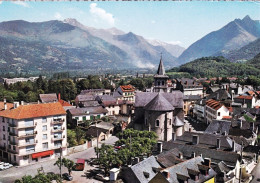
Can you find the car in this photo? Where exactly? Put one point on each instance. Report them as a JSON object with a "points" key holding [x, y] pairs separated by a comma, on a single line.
{"points": [[66, 176], [117, 147]]}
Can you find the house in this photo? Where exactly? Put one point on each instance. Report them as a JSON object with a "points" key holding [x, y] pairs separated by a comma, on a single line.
{"points": [[215, 110], [47, 98], [189, 86], [199, 110], [125, 92], [33, 132], [189, 103], [100, 131], [157, 112], [247, 101], [86, 100], [110, 103], [78, 116], [96, 92]]}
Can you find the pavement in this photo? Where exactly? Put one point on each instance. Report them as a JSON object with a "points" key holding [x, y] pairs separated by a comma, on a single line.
{"points": [[11, 174], [256, 173]]}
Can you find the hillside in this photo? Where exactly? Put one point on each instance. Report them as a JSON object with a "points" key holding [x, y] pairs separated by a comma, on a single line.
{"points": [[255, 62], [234, 35], [245, 53], [216, 67]]}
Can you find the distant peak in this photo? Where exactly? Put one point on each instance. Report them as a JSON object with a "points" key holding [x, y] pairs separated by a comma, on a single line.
{"points": [[246, 18]]}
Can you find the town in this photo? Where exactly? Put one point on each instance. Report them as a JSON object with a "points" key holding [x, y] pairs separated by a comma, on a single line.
{"points": [[147, 128]]}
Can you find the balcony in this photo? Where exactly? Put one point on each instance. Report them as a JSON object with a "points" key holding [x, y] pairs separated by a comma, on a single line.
{"points": [[11, 142], [12, 134], [27, 143], [28, 135], [58, 130], [13, 125], [57, 121], [58, 138], [12, 151]]}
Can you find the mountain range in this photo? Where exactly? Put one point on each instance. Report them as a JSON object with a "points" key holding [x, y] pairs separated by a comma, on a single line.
{"points": [[232, 36], [68, 45]]}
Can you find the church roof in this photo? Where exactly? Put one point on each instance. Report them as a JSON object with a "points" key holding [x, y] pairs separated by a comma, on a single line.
{"points": [[178, 122], [161, 70], [159, 103]]}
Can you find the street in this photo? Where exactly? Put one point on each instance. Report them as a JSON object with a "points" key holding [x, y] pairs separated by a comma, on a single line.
{"points": [[10, 175]]}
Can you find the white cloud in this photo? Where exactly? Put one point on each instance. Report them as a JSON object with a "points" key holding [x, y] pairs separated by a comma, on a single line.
{"points": [[153, 21], [21, 3], [1, 2], [58, 16], [102, 14]]}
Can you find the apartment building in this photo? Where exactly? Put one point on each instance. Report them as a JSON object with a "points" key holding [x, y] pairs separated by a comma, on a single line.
{"points": [[125, 92], [32, 133]]}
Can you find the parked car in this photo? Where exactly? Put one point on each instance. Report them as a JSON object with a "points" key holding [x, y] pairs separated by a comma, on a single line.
{"points": [[66, 176]]}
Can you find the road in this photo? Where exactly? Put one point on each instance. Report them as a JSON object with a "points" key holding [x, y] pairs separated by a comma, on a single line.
{"points": [[10, 175], [256, 173]]}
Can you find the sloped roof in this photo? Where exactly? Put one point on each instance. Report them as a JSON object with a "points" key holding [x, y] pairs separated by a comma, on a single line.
{"points": [[159, 103], [159, 178], [85, 97], [178, 122], [169, 158], [9, 106], [88, 110], [161, 70], [214, 104], [219, 126], [34, 111], [127, 88], [220, 94], [64, 103], [46, 98], [246, 97], [175, 98], [146, 165]]}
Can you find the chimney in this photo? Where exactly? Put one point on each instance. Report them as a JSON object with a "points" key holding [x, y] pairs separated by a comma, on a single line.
{"points": [[218, 143], [241, 124], [233, 146], [193, 155], [22, 103], [59, 96], [117, 101], [195, 139], [207, 162], [252, 126], [38, 102], [180, 155], [5, 105], [173, 136], [16, 104], [159, 147], [166, 174]]}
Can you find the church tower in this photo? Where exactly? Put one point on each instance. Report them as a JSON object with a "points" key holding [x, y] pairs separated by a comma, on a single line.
{"points": [[160, 79]]}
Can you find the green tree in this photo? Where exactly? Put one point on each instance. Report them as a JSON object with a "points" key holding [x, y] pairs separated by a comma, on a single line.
{"points": [[138, 83], [80, 134], [68, 164], [71, 136]]}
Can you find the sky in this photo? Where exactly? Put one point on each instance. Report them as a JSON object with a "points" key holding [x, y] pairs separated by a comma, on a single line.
{"points": [[173, 22]]}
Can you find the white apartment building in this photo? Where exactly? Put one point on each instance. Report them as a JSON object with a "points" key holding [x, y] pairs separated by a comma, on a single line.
{"points": [[215, 110], [32, 133], [15, 80]]}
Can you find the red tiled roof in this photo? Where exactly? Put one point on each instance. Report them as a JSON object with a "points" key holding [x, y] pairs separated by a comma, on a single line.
{"points": [[34, 111], [251, 93], [9, 106], [64, 103], [245, 97], [127, 88], [226, 117], [230, 109], [214, 104]]}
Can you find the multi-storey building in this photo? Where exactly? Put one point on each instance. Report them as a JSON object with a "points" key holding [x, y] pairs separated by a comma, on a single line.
{"points": [[125, 92], [32, 133], [215, 110]]}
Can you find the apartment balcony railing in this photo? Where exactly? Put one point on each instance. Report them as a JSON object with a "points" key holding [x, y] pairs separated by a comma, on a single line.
{"points": [[13, 125], [12, 134], [11, 142], [12, 151], [58, 130], [58, 138], [28, 135], [57, 121], [27, 143]]}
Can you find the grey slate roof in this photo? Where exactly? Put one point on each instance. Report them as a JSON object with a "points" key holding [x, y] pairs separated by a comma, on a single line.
{"points": [[85, 97], [178, 122], [175, 98], [220, 94], [229, 157], [182, 169], [191, 97], [104, 98], [46, 98], [219, 126], [169, 158], [159, 103], [104, 125], [145, 166], [161, 70], [91, 110]]}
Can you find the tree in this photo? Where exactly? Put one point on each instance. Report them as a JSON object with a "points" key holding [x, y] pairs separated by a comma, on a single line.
{"points": [[71, 136], [79, 135], [138, 83], [39, 178], [68, 164]]}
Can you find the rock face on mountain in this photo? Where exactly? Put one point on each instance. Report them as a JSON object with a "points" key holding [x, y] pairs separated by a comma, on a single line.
{"points": [[69, 45], [234, 35]]}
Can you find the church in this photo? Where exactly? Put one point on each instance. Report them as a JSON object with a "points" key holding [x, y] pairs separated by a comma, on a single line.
{"points": [[160, 111]]}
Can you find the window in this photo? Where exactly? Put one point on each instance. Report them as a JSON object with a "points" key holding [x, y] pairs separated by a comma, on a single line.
{"points": [[25, 157], [146, 122], [218, 113], [14, 148], [3, 128], [3, 120], [159, 83], [157, 123], [162, 82], [44, 128], [170, 121], [44, 136], [14, 158], [30, 148], [3, 137], [45, 145], [44, 120]]}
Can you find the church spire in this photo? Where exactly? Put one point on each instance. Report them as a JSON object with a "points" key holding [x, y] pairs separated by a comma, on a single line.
{"points": [[161, 70]]}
